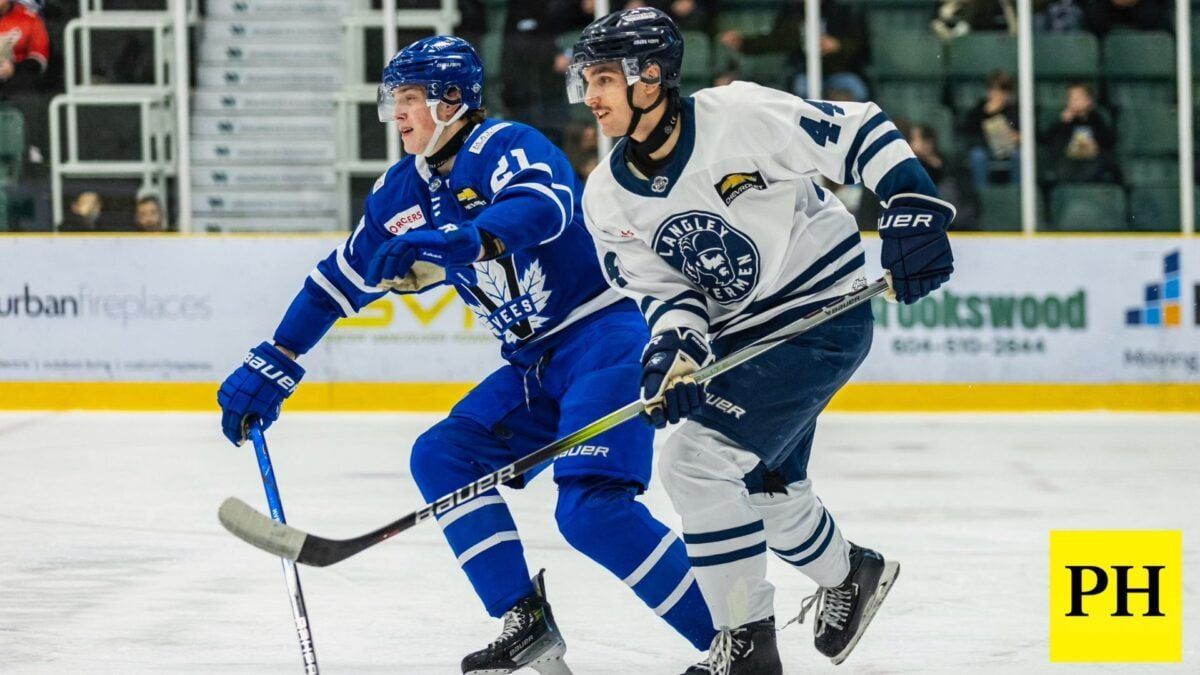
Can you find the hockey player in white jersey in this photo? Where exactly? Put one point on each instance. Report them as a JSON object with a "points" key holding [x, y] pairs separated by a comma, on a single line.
{"points": [[708, 213]]}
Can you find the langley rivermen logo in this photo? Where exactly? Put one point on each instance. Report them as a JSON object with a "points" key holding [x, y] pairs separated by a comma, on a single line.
{"points": [[711, 253]]}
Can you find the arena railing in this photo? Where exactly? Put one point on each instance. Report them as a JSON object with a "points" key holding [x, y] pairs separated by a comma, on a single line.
{"points": [[154, 101]]}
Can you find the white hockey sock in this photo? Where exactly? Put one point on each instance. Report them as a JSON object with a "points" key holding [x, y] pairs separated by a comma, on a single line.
{"points": [[725, 536], [803, 533]]}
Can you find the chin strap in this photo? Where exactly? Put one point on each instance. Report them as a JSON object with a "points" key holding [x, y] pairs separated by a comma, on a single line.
{"points": [[638, 153], [440, 125], [451, 148]]}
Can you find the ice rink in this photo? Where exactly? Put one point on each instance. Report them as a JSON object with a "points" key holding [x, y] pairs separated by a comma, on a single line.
{"points": [[112, 559]]}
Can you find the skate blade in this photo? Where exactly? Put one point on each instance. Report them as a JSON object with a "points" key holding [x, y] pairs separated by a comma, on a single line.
{"points": [[887, 578], [552, 663]]}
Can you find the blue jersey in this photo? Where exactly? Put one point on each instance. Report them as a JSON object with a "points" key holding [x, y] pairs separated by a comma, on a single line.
{"points": [[507, 180]]}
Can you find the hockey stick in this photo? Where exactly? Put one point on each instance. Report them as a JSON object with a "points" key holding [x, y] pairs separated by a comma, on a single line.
{"points": [[290, 574], [288, 542]]}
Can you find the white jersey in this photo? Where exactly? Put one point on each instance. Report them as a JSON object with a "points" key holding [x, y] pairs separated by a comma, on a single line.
{"points": [[735, 233]]}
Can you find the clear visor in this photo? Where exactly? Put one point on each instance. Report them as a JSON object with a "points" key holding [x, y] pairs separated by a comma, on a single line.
{"points": [[386, 102], [577, 84]]}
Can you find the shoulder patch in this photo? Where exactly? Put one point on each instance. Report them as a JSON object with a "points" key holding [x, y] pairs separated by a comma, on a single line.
{"points": [[380, 181], [733, 185], [406, 220], [477, 146]]}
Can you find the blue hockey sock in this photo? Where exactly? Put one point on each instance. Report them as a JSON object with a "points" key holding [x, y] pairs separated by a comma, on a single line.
{"points": [[481, 531], [602, 519], [484, 537]]}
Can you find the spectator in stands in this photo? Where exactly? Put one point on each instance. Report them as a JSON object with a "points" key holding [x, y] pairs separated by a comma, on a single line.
{"points": [[1057, 16], [1101, 16], [843, 47], [84, 214], [24, 57], [992, 132], [24, 48], [532, 90], [472, 23], [956, 18], [582, 148], [923, 140], [1082, 142], [726, 77], [149, 215], [688, 14]]}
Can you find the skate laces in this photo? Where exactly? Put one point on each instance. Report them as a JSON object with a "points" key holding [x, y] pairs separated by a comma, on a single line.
{"points": [[514, 621], [832, 608], [725, 647]]}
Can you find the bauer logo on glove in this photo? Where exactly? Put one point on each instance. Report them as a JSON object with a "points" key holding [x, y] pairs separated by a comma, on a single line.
{"points": [[271, 373]]}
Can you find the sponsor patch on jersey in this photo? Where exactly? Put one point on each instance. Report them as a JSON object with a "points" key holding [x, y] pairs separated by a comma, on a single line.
{"points": [[733, 185], [711, 253], [477, 146], [469, 199], [406, 220]]}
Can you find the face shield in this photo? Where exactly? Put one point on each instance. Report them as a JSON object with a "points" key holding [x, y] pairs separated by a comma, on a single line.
{"points": [[386, 103], [577, 84]]}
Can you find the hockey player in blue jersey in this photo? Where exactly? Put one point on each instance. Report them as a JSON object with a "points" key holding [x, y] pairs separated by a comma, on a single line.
{"points": [[708, 213], [493, 208]]}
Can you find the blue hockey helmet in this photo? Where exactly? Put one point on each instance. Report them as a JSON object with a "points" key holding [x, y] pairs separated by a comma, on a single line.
{"points": [[441, 64], [633, 37]]}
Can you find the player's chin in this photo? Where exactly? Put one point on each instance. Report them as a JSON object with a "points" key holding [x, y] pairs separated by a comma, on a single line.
{"points": [[409, 141], [610, 127]]}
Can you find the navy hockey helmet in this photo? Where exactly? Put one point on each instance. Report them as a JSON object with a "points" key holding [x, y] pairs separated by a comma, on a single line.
{"points": [[633, 37], [441, 64]]}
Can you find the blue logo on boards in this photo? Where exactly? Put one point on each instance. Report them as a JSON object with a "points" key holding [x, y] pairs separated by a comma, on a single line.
{"points": [[711, 253]]}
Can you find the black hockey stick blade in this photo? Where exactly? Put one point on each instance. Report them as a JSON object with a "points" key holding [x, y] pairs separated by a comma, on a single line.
{"points": [[285, 541]]}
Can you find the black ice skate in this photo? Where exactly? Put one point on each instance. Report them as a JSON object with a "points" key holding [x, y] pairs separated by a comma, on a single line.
{"points": [[530, 639], [843, 612], [746, 650]]}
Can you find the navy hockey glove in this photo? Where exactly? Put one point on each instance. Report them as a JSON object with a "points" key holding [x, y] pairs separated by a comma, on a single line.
{"points": [[916, 250], [256, 390], [669, 392], [451, 246]]}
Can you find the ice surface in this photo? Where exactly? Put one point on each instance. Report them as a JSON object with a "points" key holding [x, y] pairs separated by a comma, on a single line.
{"points": [[112, 560]]}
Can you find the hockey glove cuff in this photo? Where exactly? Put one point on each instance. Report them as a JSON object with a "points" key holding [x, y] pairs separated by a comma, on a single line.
{"points": [[668, 391], [256, 390], [916, 251]]}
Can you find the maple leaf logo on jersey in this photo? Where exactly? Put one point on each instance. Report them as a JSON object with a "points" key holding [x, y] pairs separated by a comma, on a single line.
{"points": [[510, 306], [710, 253]]}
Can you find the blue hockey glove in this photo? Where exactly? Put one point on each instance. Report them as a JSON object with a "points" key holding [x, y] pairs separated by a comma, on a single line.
{"points": [[916, 250], [256, 390], [669, 392], [450, 246]]}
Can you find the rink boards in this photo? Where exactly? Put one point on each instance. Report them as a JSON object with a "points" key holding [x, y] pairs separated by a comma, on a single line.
{"points": [[149, 323]]}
